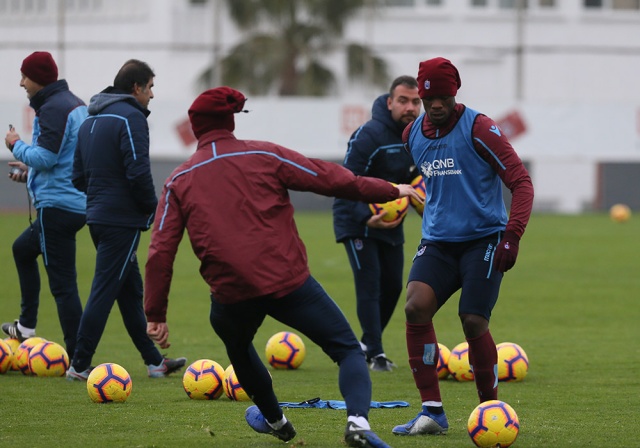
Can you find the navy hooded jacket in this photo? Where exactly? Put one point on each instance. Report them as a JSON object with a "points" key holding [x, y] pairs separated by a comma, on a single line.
{"points": [[112, 162], [375, 150]]}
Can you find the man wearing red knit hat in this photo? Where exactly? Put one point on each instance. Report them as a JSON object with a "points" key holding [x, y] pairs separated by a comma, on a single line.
{"points": [[468, 240], [45, 165], [252, 257]]}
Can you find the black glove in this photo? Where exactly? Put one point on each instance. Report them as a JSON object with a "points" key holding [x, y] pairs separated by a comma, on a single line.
{"points": [[506, 251]]}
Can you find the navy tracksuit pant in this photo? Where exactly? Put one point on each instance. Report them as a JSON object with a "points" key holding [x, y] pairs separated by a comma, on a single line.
{"points": [[52, 235], [377, 272], [313, 313], [117, 278]]}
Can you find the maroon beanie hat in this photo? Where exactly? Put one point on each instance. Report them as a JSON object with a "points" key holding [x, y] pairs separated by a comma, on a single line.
{"points": [[214, 109], [40, 68], [438, 77]]}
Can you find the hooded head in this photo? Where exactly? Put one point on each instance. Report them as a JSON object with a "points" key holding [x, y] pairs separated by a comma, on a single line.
{"points": [[438, 77], [214, 109], [40, 68]]}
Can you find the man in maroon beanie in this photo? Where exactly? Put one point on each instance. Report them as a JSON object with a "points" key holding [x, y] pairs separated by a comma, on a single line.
{"points": [[45, 165], [252, 257], [468, 240]]}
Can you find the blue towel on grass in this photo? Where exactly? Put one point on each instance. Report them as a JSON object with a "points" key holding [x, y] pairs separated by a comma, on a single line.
{"points": [[336, 404]]}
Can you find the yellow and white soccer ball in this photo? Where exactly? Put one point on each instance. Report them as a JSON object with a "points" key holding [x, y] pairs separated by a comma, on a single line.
{"points": [[13, 343], [6, 357], [459, 366], [285, 350], [394, 210], [109, 382], [493, 424], [443, 361], [418, 184], [513, 363], [203, 380], [21, 357], [620, 212], [232, 387], [48, 359]]}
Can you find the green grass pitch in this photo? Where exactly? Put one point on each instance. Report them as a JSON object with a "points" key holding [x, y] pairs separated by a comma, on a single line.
{"points": [[571, 302]]}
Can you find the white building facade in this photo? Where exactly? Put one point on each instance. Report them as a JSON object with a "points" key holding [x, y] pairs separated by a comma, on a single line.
{"points": [[568, 68]]}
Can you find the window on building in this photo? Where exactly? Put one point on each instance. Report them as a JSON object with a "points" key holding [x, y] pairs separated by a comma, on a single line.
{"points": [[396, 2], [512, 4], [613, 4], [625, 4]]}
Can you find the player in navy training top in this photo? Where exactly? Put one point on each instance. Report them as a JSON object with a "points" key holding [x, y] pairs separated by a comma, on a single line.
{"points": [[375, 248]]}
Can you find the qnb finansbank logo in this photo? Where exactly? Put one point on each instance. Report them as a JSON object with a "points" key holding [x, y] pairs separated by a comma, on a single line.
{"points": [[440, 167]]}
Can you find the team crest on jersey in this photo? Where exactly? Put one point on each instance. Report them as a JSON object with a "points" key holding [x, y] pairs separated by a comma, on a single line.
{"points": [[495, 130], [427, 169], [358, 244]]}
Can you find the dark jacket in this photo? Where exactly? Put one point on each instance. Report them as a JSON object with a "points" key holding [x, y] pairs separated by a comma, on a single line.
{"points": [[111, 163], [375, 150]]}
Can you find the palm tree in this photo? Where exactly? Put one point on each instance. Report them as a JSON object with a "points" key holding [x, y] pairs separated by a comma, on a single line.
{"points": [[285, 44]]}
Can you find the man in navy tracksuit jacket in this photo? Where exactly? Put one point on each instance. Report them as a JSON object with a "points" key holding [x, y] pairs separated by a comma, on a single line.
{"points": [[45, 165], [375, 247], [112, 167]]}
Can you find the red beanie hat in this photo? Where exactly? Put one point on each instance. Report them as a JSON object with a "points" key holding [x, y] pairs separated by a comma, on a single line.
{"points": [[438, 77], [214, 109], [40, 68]]}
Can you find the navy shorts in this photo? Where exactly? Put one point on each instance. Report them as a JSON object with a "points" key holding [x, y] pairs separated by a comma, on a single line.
{"points": [[449, 267]]}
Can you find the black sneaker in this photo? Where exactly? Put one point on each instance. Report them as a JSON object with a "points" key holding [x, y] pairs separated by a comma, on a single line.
{"points": [[11, 329], [380, 363], [365, 438], [258, 423], [166, 367]]}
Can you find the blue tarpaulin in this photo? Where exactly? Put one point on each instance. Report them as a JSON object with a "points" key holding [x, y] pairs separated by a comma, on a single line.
{"points": [[336, 404]]}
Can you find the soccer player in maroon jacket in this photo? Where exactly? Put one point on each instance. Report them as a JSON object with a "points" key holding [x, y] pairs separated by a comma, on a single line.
{"points": [[468, 241], [232, 197]]}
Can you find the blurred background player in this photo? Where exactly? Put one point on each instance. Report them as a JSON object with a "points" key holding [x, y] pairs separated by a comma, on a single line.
{"points": [[252, 257], [46, 165], [374, 246], [112, 166], [467, 240]]}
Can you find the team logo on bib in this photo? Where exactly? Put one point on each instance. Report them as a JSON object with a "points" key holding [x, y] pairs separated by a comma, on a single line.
{"points": [[427, 169]]}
